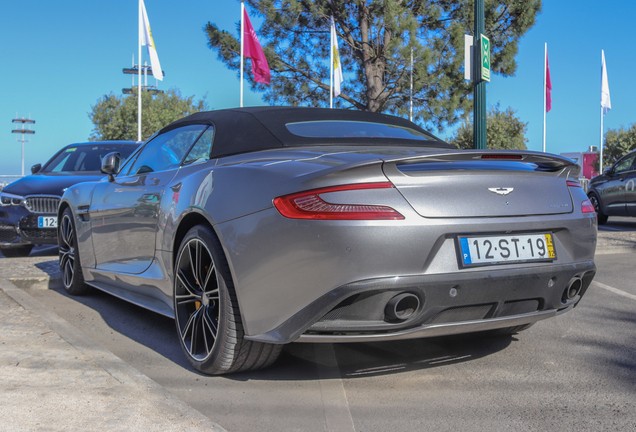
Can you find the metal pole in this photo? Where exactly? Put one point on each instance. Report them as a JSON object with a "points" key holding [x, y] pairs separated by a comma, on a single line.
{"points": [[23, 155], [242, 47], [479, 99], [139, 81], [545, 89], [600, 162]]}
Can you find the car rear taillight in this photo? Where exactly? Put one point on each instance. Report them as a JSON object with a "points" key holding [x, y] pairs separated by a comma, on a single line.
{"points": [[587, 207], [309, 205]]}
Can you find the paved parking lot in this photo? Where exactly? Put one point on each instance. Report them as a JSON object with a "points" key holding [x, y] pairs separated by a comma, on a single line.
{"points": [[574, 372]]}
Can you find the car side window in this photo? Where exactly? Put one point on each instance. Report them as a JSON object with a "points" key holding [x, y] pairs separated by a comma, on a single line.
{"points": [[624, 164], [166, 151], [200, 152]]}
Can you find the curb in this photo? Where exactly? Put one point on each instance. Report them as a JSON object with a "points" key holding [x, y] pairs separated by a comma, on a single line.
{"points": [[106, 360]]}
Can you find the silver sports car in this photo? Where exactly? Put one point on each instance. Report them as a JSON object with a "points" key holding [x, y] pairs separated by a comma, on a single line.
{"points": [[258, 227]]}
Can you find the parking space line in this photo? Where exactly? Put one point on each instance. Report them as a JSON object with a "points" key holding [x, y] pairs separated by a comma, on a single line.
{"points": [[615, 290], [334, 399]]}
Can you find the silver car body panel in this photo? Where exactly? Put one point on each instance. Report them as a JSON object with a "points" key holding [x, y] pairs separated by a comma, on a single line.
{"points": [[282, 266]]}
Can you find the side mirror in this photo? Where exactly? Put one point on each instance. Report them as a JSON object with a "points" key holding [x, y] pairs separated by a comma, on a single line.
{"points": [[110, 165], [36, 168], [607, 170]]}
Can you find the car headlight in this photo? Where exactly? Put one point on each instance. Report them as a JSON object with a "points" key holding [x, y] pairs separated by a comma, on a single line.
{"points": [[7, 199]]}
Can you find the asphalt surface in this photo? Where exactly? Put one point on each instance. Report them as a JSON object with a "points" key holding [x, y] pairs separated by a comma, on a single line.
{"points": [[95, 362]]}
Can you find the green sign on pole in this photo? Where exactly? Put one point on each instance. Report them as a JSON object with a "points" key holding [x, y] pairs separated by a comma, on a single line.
{"points": [[485, 58]]}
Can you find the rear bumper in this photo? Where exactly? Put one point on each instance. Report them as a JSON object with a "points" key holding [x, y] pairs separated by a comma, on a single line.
{"points": [[434, 329], [448, 304]]}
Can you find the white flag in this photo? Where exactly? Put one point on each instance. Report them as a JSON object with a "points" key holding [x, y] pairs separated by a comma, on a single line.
{"points": [[146, 39], [337, 66], [605, 94]]}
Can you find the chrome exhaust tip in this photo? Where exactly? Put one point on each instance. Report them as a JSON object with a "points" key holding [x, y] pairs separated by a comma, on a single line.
{"points": [[401, 307], [573, 289]]}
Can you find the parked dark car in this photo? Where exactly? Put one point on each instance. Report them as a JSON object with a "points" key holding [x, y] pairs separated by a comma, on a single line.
{"points": [[28, 207], [257, 227], [614, 192]]}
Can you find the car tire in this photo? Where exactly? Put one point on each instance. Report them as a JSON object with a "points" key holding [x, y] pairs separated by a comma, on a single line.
{"points": [[15, 252], [207, 313], [600, 216], [70, 266]]}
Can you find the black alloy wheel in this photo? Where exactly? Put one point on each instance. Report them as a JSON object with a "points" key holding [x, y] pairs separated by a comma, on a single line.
{"points": [[197, 299], [72, 277], [600, 216], [206, 310]]}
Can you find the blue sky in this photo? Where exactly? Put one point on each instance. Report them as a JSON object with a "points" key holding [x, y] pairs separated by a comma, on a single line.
{"points": [[59, 58]]}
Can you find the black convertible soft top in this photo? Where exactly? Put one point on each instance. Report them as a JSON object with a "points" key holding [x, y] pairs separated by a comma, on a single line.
{"points": [[242, 130]]}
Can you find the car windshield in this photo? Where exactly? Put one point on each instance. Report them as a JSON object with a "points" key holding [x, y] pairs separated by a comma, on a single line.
{"points": [[355, 129], [85, 157]]}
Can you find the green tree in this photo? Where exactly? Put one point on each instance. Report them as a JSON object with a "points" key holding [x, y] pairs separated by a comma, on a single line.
{"points": [[504, 131], [115, 117], [618, 142], [376, 38]]}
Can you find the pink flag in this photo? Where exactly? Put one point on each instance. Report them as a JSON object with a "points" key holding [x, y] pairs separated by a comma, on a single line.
{"points": [[253, 50], [548, 85]]}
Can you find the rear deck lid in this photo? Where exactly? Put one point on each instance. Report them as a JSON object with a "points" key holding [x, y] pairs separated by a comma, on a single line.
{"points": [[484, 184]]}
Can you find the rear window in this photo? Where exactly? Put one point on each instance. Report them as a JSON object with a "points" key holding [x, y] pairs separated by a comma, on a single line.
{"points": [[355, 129]]}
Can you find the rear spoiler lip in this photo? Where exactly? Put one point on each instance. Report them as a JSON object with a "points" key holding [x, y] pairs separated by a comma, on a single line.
{"points": [[546, 159]]}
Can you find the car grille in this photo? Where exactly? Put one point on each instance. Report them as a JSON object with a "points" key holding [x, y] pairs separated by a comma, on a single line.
{"points": [[519, 307], [7, 232], [36, 233], [462, 313], [42, 204]]}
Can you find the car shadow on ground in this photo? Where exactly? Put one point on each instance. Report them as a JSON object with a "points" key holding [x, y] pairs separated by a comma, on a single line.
{"points": [[363, 360], [298, 361]]}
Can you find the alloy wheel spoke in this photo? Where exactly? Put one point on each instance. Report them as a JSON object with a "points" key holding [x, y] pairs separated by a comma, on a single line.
{"points": [[69, 233], [68, 273], [211, 271], [186, 299], [194, 336], [212, 294], [203, 332], [189, 247], [183, 279], [188, 330], [64, 257], [210, 324], [65, 232]]}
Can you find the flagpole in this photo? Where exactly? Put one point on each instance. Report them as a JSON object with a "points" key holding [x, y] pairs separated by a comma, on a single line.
{"points": [[331, 66], [545, 89], [600, 163], [242, 46]]}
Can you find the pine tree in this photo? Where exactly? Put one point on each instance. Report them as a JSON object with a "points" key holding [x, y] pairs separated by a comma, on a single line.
{"points": [[376, 38]]}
